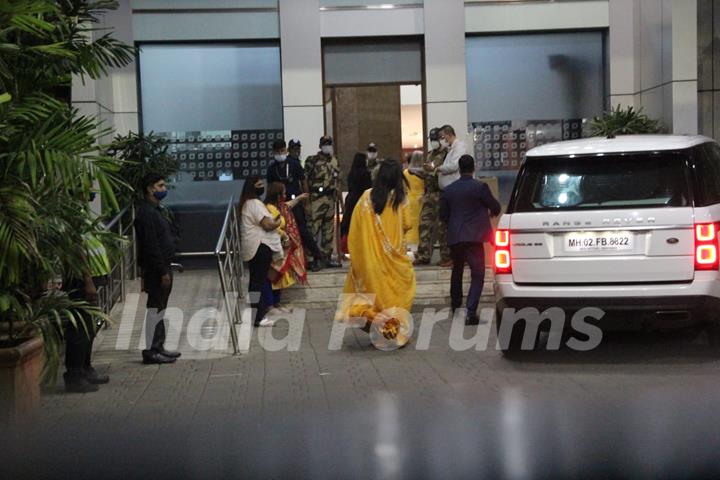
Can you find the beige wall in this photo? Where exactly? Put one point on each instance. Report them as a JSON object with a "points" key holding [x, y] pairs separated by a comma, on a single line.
{"points": [[653, 60]]}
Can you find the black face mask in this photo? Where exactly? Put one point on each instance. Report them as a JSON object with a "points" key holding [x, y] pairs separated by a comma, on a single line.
{"points": [[259, 191]]}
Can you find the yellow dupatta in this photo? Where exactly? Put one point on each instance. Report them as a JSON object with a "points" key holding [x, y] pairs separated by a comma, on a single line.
{"points": [[415, 199], [379, 265]]}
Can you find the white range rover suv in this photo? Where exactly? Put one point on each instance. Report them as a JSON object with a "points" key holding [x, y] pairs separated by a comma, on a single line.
{"points": [[628, 225]]}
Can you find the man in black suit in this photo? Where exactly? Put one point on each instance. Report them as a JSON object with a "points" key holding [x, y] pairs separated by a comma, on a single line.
{"points": [[467, 205]]}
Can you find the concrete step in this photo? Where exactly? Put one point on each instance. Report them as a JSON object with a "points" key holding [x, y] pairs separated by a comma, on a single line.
{"points": [[422, 290], [336, 277], [438, 302], [435, 292], [432, 288]]}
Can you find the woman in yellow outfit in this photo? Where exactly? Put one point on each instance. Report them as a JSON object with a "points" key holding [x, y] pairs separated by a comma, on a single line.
{"points": [[415, 196], [380, 286]]}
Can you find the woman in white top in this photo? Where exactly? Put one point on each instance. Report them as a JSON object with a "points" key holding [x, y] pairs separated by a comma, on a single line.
{"points": [[260, 241]]}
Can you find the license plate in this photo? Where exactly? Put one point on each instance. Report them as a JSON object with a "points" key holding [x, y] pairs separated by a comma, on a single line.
{"points": [[599, 241]]}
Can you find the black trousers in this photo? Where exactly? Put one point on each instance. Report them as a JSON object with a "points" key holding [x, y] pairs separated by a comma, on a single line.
{"points": [[309, 243], [259, 266], [158, 297], [78, 338], [474, 255], [78, 344]]}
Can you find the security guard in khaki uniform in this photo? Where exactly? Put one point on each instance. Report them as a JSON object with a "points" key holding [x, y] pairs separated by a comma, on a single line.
{"points": [[429, 215], [322, 173]]}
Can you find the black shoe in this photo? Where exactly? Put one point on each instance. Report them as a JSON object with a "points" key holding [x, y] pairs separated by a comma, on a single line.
{"points": [[151, 357], [170, 353], [316, 266], [334, 264], [92, 376], [474, 320], [78, 383]]}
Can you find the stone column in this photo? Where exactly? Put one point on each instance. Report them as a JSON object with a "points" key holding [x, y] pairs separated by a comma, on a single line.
{"points": [[445, 68], [302, 82]]}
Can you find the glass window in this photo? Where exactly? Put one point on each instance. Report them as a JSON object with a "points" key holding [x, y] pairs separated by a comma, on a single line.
{"points": [[210, 87], [535, 77], [528, 90], [707, 174], [220, 105], [372, 61], [609, 182]]}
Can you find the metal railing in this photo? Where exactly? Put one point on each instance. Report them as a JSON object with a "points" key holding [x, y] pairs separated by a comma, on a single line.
{"points": [[230, 268], [115, 287]]}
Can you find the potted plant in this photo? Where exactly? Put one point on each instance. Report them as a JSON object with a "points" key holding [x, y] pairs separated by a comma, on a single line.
{"points": [[624, 121], [48, 166]]}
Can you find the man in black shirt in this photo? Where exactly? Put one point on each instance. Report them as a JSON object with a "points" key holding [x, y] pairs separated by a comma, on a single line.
{"points": [[156, 248], [286, 168]]}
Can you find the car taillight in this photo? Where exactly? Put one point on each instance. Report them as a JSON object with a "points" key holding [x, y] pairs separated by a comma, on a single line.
{"points": [[503, 260], [706, 246]]}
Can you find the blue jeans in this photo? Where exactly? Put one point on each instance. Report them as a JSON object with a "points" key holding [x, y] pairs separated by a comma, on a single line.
{"points": [[270, 297], [474, 255]]}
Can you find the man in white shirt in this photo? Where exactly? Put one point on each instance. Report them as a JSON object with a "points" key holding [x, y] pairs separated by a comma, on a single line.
{"points": [[449, 171]]}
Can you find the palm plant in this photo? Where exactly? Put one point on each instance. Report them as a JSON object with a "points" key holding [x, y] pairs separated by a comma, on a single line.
{"points": [[49, 162], [141, 154], [620, 121]]}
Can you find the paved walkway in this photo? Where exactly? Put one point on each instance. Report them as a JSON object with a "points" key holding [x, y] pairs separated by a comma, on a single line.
{"points": [[272, 383], [639, 405]]}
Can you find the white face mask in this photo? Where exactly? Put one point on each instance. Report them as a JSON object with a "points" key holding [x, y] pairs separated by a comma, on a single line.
{"points": [[280, 158], [444, 143], [372, 155], [327, 149], [434, 145]]}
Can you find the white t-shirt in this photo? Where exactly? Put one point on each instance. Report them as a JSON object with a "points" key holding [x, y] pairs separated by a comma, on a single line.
{"points": [[252, 234], [449, 171]]}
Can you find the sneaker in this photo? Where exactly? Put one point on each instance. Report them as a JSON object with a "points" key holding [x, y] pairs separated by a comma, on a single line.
{"points": [[265, 322]]}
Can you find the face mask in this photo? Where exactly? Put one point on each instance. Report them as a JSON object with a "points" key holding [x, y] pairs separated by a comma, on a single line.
{"points": [[372, 155], [444, 143], [280, 158], [434, 145], [160, 195], [327, 149], [259, 191]]}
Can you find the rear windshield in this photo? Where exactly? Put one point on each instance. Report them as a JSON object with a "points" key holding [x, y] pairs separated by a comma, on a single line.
{"points": [[608, 182]]}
